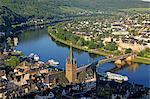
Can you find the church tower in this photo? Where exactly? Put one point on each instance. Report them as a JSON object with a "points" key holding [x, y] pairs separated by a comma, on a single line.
{"points": [[71, 67]]}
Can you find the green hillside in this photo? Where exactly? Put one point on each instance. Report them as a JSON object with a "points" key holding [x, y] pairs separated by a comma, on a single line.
{"points": [[40, 8], [8, 18]]}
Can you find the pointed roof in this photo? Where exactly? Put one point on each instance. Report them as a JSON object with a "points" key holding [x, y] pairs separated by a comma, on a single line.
{"points": [[70, 58]]}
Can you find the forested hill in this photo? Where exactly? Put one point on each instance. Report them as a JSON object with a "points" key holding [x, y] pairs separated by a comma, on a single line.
{"points": [[8, 17], [46, 8]]}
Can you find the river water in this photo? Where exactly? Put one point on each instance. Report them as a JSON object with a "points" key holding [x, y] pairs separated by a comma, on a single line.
{"points": [[38, 42]]}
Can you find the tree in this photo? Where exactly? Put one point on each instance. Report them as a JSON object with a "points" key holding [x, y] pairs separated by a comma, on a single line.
{"points": [[100, 44], [12, 62], [145, 53], [92, 45], [10, 42], [73, 38], [111, 46], [141, 54], [21, 54], [129, 50], [1, 47], [2, 22], [80, 42]]}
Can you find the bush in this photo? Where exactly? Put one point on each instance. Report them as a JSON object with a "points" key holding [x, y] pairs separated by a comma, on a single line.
{"points": [[145, 53], [92, 45], [111, 46]]}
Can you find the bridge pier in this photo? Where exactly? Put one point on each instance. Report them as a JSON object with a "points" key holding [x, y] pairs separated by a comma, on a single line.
{"points": [[120, 62], [130, 58]]}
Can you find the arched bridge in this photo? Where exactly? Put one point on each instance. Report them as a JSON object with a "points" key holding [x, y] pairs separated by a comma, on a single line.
{"points": [[96, 64]]}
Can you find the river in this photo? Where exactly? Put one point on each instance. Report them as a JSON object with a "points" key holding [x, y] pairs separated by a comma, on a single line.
{"points": [[38, 42]]}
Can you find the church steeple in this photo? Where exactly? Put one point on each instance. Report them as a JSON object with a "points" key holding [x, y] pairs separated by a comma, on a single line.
{"points": [[71, 67], [70, 58]]}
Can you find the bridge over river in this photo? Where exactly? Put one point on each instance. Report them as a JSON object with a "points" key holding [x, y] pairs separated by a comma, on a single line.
{"points": [[96, 64]]}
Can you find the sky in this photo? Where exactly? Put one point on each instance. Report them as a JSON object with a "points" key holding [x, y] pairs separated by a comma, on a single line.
{"points": [[146, 0]]}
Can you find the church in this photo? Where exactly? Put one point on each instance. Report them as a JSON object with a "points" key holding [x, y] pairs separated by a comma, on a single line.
{"points": [[71, 67]]}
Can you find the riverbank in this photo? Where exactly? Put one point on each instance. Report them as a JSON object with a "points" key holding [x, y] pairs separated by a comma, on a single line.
{"points": [[78, 47], [143, 60], [138, 59]]}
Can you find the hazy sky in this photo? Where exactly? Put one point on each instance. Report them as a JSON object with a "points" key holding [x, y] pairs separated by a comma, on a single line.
{"points": [[146, 0]]}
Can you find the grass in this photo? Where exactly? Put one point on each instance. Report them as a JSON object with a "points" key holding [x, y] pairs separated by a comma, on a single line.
{"points": [[139, 59]]}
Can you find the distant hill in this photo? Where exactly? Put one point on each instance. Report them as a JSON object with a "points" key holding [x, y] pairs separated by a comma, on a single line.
{"points": [[8, 17], [46, 8]]}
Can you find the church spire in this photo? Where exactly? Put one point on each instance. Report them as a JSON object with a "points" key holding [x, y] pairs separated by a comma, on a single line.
{"points": [[71, 67], [70, 58]]}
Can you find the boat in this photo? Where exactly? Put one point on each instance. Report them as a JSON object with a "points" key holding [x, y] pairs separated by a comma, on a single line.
{"points": [[53, 62], [117, 77], [36, 57], [31, 55]]}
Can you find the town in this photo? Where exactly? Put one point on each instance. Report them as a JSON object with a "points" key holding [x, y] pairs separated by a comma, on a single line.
{"points": [[113, 37], [27, 76], [73, 51], [128, 32], [35, 79]]}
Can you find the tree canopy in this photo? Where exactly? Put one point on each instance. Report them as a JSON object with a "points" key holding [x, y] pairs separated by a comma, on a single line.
{"points": [[12, 62], [111, 46]]}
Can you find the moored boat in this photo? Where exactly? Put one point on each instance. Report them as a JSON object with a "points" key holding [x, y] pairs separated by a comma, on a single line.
{"points": [[53, 62], [118, 77]]}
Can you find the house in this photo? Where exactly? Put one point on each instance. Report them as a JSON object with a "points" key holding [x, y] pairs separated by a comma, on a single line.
{"points": [[87, 38], [107, 40], [120, 33], [128, 45], [116, 26]]}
